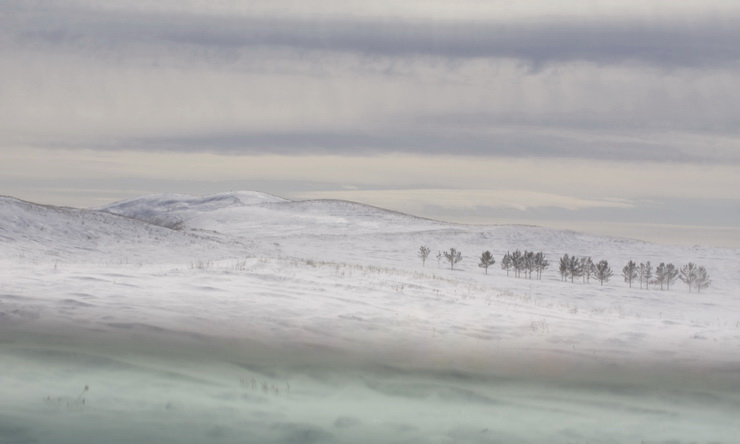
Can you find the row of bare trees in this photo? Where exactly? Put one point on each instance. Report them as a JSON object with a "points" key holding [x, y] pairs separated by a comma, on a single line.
{"points": [[665, 275], [453, 256], [584, 268], [526, 263], [523, 263]]}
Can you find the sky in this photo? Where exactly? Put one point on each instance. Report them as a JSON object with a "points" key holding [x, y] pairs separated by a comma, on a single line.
{"points": [[614, 117]]}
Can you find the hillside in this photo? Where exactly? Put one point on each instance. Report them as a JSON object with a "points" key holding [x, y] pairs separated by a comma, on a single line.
{"points": [[255, 310], [48, 233], [251, 214], [175, 210], [334, 230]]}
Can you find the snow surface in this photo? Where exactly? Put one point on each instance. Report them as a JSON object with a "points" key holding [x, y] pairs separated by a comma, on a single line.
{"points": [[259, 319]]}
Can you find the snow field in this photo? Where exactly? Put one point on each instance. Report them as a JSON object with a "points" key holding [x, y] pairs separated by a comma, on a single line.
{"points": [[332, 331]]}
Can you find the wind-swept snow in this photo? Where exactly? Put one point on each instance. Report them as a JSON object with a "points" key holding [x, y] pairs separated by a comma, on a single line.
{"points": [[260, 215], [176, 210], [43, 233], [265, 320]]}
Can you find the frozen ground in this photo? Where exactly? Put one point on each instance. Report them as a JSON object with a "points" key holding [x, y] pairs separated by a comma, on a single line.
{"points": [[261, 320]]}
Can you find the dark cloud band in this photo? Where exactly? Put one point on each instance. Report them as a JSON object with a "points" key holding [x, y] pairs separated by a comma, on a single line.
{"points": [[705, 41], [512, 144]]}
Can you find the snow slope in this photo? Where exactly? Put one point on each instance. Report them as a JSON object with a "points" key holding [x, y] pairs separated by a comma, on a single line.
{"points": [[266, 320], [257, 215], [47, 233], [176, 210]]}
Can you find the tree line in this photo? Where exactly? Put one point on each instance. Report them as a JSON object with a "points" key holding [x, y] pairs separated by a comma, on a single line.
{"points": [[665, 275], [525, 264]]}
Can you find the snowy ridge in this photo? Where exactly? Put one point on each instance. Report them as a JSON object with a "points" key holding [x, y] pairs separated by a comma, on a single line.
{"points": [[173, 210], [54, 233], [266, 215]]}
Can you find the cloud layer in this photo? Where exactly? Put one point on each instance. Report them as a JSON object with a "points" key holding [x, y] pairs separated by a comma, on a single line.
{"points": [[500, 81], [670, 42]]}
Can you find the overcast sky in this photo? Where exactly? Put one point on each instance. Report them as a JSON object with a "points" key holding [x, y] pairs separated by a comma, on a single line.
{"points": [[618, 117]]}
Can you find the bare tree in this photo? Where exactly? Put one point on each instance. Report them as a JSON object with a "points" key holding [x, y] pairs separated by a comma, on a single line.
{"points": [[702, 279], [453, 257], [660, 275], [587, 268], [486, 260], [541, 264], [688, 274], [665, 275], [529, 263], [574, 268], [424, 254], [563, 268], [646, 274], [671, 275], [641, 274], [506, 263], [603, 272], [517, 260], [630, 272]]}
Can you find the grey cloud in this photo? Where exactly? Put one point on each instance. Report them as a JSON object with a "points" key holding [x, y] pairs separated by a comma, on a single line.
{"points": [[426, 142], [684, 120], [704, 41], [640, 128], [700, 212]]}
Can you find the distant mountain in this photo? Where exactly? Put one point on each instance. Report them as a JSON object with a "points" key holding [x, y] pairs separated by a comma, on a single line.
{"points": [[172, 210], [256, 214]]}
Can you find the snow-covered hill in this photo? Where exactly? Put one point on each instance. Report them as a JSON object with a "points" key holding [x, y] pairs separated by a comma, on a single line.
{"points": [[251, 214], [333, 230], [243, 317], [47, 233], [177, 210]]}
